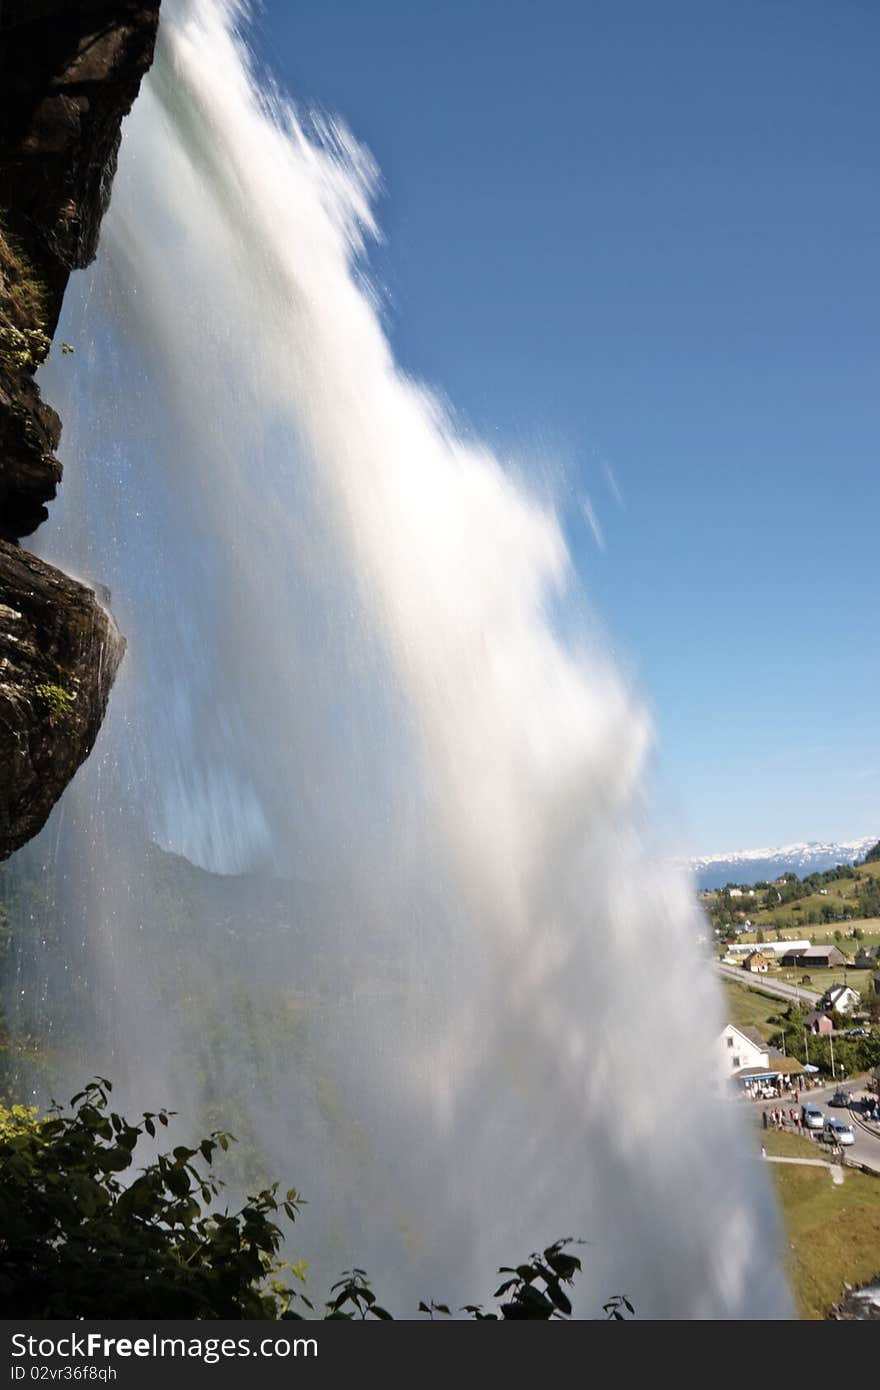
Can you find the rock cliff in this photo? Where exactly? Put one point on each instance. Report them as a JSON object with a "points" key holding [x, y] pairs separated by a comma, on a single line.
{"points": [[69, 72]]}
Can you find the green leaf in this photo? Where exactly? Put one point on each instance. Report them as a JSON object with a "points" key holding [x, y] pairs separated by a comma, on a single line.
{"points": [[178, 1181], [559, 1298]]}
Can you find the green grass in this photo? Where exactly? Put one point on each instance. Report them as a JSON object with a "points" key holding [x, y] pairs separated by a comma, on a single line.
{"points": [[783, 1145], [820, 980], [841, 895], [23, 296], [833, 1233], [746, 1009], [824, 934]]}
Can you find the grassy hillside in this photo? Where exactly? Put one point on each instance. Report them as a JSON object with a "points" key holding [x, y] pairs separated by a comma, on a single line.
{"points": [[747, 1009], [822, 933], [820, 900], [833, 1232]]}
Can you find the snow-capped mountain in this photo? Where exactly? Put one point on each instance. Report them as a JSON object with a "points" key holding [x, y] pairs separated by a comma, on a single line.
{"points": [[750, 865]]}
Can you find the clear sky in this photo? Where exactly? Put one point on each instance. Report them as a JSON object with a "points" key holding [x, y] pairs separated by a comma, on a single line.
{"points": [[637, 243]]}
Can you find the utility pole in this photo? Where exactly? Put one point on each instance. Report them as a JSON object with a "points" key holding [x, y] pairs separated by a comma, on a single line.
{"points": [[831, 1041]]}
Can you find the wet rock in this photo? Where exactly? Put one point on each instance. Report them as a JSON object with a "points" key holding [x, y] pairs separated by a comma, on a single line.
{"points": [[59, 653], [69, 73], [861, 1304]]}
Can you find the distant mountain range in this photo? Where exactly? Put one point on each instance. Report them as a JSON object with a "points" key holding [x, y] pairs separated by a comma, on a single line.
{"points": [[750, 865]]}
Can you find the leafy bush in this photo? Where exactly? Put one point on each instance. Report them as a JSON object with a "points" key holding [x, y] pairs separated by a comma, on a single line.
{"points": [[76, 1241], [56, 701]]}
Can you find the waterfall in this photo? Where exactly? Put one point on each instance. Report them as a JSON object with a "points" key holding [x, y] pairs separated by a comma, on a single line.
{"points": [[356, 868]]}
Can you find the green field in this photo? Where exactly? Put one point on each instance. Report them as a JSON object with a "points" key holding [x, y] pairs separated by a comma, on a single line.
{"points": [[820, 980], [747, 1009], [837, 896], [840, 895], [824, 934], [823, 979], [833, 1232]]}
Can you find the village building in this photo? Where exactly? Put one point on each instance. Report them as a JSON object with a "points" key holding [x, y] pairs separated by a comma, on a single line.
{"points": [[770, 948], [816, 956], [751, 1066], [866, 957], [741, 1049], [786, 1066], [843, 999], [818, 1022], [756, 963]]}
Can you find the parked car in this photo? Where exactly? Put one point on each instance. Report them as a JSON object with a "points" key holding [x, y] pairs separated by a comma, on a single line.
{"points": [[858, 1033], [838, 1132], [840, 1098], [812, 1117]]}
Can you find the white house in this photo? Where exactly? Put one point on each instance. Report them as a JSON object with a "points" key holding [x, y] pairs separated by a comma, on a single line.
{"points": [[737, 1050], [843, 998]]}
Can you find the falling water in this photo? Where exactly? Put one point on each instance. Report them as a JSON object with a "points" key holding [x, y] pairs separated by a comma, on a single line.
{"points": [[439, 985]]}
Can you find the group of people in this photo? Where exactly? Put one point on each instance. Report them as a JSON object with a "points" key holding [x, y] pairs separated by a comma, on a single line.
{"points": [[778, 1118], [785, 1087]]}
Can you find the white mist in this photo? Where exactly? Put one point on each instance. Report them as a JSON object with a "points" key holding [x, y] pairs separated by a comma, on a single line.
{"points": [[344, 667]]}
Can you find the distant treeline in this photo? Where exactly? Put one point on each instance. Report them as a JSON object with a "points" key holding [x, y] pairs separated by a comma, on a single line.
{"points": [[860, 898]]}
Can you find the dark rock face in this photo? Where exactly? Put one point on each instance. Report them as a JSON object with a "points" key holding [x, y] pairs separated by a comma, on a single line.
{"points": [[59, 653], [69, 72]]}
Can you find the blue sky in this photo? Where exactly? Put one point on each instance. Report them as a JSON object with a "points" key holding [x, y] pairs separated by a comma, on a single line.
{"points": [[645, 236]]}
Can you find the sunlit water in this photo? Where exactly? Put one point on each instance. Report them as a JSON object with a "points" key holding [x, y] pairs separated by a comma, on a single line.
{"points": [[473, 1017]]}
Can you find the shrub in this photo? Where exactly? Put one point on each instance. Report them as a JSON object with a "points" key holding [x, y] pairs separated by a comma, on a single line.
{"points": [[77, 1241]]}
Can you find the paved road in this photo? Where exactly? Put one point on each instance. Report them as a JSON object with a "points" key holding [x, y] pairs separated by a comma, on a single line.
{"points": [[866, 1149], [775, 988]]}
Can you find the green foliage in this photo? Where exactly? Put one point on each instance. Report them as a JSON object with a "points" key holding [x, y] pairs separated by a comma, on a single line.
{"points": [[23, 348], [852, 1054], [354, 1299], [79, 1241], [873, 854], [856, 894], [534, 1293], [76, 1241], [869, 897], [17, 1119], [56, 701], [23, 295]]}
